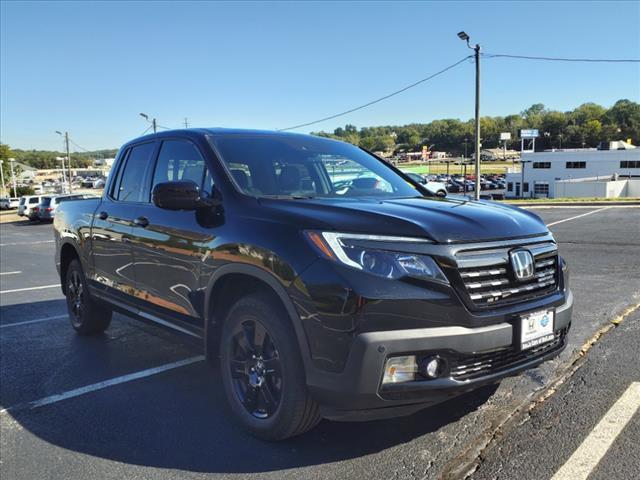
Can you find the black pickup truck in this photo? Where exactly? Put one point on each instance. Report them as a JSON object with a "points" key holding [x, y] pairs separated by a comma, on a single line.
{"points": [[322, 280]]}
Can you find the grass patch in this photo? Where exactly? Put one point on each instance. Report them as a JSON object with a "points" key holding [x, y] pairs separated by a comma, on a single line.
{"points": [[485, 168]]}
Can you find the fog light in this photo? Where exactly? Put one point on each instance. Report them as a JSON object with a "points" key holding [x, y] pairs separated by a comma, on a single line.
{"points": [[400, 369], [432, 367]]}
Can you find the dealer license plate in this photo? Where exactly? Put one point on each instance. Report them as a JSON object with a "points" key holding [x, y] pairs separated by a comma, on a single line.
{"points": [[536, 328]]}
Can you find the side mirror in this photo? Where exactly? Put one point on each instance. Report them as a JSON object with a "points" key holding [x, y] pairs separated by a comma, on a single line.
{"points": [[179, 195]]}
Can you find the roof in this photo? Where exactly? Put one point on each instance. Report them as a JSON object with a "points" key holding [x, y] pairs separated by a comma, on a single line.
{"points": [[198, 132]]}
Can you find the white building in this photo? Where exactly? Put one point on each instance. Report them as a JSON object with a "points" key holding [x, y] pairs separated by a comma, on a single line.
{"points": [[565, 173]]}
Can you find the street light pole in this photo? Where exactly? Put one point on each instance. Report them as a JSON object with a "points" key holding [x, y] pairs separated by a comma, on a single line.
{"points": [[13, 178], [66, 145], [66, 141], [153, 121], [4, 190], [477, 55], [463, 36]]}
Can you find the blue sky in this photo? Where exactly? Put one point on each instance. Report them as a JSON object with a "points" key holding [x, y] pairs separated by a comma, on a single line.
{"points": [[90, 68]]}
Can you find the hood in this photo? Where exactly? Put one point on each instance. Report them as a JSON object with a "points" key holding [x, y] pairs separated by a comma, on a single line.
{"points": [[444, 220]]}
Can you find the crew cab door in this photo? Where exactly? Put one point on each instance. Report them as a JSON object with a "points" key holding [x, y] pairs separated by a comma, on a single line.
{"points": [[113, 271], [169, 247]]}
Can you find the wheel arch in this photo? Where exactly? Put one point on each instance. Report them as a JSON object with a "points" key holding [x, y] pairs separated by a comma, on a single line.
{"points": [[68, 252], [256, 279]]}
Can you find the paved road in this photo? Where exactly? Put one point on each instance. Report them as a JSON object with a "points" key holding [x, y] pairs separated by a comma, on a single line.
{"points": [[558, 427], [174, 424]]}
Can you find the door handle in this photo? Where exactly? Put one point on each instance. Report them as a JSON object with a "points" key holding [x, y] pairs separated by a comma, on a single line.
{"points": [[103, 215], [141, 222]]}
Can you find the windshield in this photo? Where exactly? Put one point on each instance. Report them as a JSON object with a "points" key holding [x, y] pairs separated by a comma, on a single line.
{"points": [[46, 201], [298, 166]]}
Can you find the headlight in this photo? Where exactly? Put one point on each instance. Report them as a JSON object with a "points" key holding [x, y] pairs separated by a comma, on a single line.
{"points": [[344, 248]]}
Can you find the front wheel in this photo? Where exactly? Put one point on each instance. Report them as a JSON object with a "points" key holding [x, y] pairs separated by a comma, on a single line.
{"points": [[262, 371], [86, 316]]}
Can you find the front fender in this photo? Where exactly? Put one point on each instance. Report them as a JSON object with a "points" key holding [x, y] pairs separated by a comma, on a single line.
{"points": [[277, 286]]}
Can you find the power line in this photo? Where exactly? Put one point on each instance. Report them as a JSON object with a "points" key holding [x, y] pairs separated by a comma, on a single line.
{"points": [[78, 146], [148, 128], [368, 104], [560, 59]]}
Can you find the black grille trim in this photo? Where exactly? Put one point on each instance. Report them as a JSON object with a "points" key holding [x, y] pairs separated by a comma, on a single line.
{"points": [[477, 365]]}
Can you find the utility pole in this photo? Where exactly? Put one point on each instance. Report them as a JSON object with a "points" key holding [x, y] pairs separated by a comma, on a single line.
{"points": [[186, 123], [4, 190], [66, 142], [153, 121], [64, 174], [476, 49], [477, 53], [13, 178], [66, 145]]}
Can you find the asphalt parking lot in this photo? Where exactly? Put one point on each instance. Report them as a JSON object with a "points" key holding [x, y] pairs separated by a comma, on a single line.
{"points": [[164, 419]]}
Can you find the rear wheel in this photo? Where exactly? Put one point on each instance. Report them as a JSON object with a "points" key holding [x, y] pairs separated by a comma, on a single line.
{"points": [[86, 316], [262, 371]]}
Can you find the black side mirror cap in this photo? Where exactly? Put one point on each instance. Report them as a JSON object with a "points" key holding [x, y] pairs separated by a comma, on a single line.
{"points": [[180, 195]]}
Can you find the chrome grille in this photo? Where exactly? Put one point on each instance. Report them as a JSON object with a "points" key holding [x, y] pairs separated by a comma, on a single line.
{"points": [[488, 278]]}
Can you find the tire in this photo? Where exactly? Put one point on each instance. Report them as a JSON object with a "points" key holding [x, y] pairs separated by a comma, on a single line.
{"points": [[441, 193], [86, 316], [267, 394]]}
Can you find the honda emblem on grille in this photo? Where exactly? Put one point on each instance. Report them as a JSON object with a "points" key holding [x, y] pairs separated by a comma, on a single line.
{"points": [[522, 264]]}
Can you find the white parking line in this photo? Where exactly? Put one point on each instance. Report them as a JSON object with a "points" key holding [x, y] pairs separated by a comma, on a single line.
{"points": [[29, 288], [595, 446], [25, 243], [105, 384], [577, 216], [37, 320], [11, 273]]}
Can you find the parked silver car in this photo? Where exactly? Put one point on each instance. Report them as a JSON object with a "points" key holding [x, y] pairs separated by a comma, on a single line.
{"points": [[49, 203], [7, 203], [27, 205]]}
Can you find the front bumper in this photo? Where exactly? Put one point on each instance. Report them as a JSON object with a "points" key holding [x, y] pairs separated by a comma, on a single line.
{"points": [[357, 394]]}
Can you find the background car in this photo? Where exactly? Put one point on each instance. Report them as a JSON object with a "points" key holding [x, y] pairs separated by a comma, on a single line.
{"points": [[27, 202], [48, 205], [5, 204], [437, 188]]}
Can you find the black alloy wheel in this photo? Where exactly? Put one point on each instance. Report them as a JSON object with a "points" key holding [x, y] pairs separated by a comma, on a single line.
{"points": [[75, 298], [255, 369], [86, 315]]}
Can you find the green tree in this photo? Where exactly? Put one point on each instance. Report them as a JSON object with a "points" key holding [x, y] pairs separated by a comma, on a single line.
{"points": [[587, 126], [625, 117], [5, 155], [24, 190]]}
